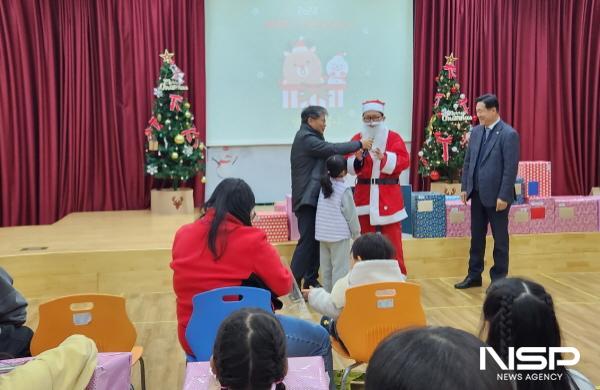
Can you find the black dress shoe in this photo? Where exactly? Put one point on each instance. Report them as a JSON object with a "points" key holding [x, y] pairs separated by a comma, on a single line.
{"points": [[468, 283], [314, 284]]}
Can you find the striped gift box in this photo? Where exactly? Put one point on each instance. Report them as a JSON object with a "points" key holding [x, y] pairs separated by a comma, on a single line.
{"points": [[538, 178]]}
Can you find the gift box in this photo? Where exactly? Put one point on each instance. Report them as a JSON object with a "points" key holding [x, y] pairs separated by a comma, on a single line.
{"points": [[452, 198], [542, 215], [537, 177], [113, 371], [441, 187], [458, 219], [302, 373], [519, 219], [407, 197], [274, 223], [575, 214], [597, 198], [280, 206], [292, 220], [429, 215], [519, 191]]}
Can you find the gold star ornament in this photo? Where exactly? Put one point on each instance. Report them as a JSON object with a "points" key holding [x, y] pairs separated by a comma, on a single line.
{"points": [[168, 57], [451, 59]]}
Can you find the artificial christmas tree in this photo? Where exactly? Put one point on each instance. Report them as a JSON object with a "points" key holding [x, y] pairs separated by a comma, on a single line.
{"points": [[446, 134], [174, 150]]}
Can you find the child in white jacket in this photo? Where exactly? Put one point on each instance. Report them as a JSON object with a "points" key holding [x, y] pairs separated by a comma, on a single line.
{"points": [[372, 261]]}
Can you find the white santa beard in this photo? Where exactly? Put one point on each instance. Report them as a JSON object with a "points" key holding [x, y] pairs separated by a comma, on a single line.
{"points": [[377, 133]]}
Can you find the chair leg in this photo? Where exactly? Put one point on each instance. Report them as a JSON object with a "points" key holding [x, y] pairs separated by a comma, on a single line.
{"points": [[347, 372], [142, 373]]}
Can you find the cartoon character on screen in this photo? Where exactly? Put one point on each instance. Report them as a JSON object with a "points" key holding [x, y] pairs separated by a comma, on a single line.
{"points": [[302, 66], [226, 161], [337, 69]]}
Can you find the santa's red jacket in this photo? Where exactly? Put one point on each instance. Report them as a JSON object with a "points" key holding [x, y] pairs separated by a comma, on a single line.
{"points": [[382, 202]]}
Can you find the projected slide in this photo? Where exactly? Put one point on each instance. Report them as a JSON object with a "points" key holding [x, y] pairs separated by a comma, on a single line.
{"points": [[268, 59]]}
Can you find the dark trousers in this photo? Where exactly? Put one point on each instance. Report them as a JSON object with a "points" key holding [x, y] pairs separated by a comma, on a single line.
{"points": [[305, 261], [480, 216], [15, 341]]}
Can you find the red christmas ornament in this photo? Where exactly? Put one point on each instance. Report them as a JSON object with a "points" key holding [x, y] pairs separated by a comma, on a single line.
{"points": [[439, 115], [435, 175], [453, 90], [437, 79]]}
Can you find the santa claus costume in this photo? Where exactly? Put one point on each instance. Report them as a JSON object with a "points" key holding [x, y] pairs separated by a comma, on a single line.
{"points": [[378, 195]]}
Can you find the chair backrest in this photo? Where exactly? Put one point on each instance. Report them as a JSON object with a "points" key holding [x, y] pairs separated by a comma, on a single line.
{"points": [[210, 308], [101, 317], [374, 311]]}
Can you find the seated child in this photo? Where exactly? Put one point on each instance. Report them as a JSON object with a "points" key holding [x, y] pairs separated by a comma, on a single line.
{"points": [[249, 352], [372, 261], [66, 367], [15, 338], [432, 358]]}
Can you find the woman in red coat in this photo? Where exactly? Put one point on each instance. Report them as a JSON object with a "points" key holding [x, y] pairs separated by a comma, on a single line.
{"points": [[222, 249]]}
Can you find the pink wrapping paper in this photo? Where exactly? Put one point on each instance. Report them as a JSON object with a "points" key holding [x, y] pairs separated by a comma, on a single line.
{"points": [[274, 223], [597, 199], [458, 219], [539, 206], [292, 220], [306, 373], [113, 371], [539, 171], [575, 214], [519, 219], [280, 206]]}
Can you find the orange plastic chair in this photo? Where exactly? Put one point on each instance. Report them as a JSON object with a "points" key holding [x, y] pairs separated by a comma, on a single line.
{"points": [[101, 317], [372, 312]]}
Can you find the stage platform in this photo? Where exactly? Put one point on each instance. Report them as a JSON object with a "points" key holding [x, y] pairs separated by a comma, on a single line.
{"points": [[128, 252]]}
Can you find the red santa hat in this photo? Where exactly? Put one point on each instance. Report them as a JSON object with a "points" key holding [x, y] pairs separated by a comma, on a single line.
{"points": [[299, 46], [373, 105]]}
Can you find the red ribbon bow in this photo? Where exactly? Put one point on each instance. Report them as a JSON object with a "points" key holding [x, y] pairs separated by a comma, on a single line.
{"points": [[438, 96], [148, 133], [175, 100], [463, 104], [190, 134], [154, 123], [445, 141], [451, 70]]}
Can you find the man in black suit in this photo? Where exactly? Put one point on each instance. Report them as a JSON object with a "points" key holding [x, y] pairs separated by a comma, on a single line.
{"points": [[488, 179]]}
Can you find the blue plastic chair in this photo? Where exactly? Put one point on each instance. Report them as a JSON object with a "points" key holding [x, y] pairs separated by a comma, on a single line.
{"points": [[210, 309]]}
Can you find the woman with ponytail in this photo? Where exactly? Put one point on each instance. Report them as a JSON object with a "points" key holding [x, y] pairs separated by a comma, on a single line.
{"points": [[520, 313], [223, 249], [336, 222], [249, 352]]}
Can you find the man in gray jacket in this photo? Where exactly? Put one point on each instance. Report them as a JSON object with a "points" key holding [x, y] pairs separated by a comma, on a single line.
{"points": [[14, 337], [309, 152], [488, 179]]}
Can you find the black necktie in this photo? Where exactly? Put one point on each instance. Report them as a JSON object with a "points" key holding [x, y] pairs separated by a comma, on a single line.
{"points": [[486, 135]]}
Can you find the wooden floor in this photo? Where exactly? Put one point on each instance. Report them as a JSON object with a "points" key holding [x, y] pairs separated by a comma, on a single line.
{"points": [[128, 253]]}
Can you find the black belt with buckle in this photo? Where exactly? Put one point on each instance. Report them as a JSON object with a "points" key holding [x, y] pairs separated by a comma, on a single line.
{"points": [[378, 181]]}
